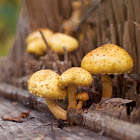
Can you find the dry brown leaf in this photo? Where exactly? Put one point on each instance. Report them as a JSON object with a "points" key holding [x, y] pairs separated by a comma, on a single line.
{"points": [[14, 119], [18, 118], [24, 114]]}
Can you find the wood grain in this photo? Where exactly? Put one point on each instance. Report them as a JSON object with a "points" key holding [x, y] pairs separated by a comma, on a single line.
{"points": [[38, 124], [105, 124]]}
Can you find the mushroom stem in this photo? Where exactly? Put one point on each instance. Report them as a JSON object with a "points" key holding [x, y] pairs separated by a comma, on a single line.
{"points": [[79, 105], [72, 102], [106, 86], [56, 110]]}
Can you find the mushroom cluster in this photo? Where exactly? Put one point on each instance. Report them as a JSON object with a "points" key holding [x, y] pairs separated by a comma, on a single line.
{"points": [[45, 83], [105, 60], [56, 41]]}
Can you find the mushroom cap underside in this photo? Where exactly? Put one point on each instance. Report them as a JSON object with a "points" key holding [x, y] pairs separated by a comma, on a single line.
{"points": [[44, 83], [107, 59], [76, 76]]}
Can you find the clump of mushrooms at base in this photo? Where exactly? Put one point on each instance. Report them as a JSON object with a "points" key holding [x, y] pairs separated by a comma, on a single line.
{"points": [[48, 84], [105, 60]]}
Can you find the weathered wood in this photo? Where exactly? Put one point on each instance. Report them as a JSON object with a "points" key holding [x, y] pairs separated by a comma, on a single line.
{"points": [[137, 30], [105, 114], [105, 124], [24, 97], [119, 105], [38, 124]]}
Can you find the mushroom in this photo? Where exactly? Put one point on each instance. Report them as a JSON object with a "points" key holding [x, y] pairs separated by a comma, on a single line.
{"points": [[72, 78], [36, 35], [71, 24], [105, 60], [58, 41], [45, 83], [37, 47], [81, 96], [35, 43]]}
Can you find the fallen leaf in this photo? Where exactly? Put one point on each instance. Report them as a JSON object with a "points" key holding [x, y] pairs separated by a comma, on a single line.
{"points": [[14, 119], [24, 114], [18, 118]]}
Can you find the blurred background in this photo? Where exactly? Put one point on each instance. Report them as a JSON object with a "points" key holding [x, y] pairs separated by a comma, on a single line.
{"points": [[9, 11]]}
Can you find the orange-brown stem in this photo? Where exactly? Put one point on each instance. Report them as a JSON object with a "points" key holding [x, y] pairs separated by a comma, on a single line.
{"points": [[56, 110], [72, 102], [79, 105], [106, 86]]}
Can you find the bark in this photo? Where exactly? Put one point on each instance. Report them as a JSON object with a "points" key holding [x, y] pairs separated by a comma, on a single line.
{"points": [[39, 126], [111, 118], [105, 124]]}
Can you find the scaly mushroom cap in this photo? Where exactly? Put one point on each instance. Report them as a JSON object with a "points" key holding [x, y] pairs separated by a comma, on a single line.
{"points": [[44, 83], [82, 96], [37, 47], [77, 76], [107, 59], [36, 34], [59, 40]]}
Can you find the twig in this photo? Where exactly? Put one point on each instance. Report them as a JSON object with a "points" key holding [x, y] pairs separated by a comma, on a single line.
{"points": [[44, 39], [94, 6]]}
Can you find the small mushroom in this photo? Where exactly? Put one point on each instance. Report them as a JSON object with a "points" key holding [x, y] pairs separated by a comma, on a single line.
{"points": [[36, 35], [45, 83], [35, 43], [37, 47], [72, 78], [105, 60], [71, 24], [81, 96], [58, 41]]}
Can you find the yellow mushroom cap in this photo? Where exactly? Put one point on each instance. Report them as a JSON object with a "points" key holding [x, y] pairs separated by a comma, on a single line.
{"points": [[45, 83], [77, 76], [36, 34], [58, 41], [82, 96], [37, 47], [107, 59]]}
